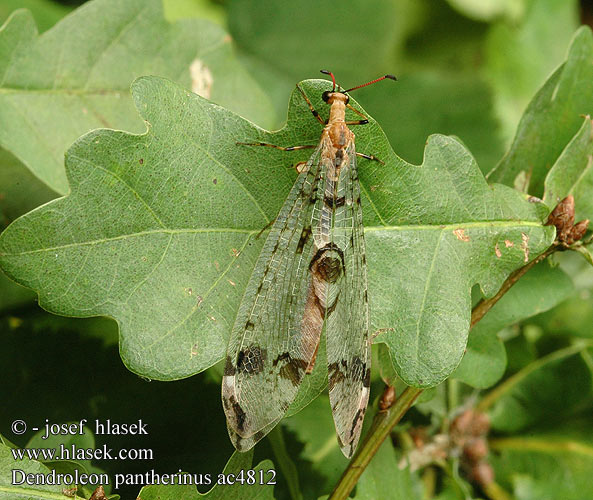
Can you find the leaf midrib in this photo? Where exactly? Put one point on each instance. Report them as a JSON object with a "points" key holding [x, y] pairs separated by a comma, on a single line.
{"points": [[250, 232]]}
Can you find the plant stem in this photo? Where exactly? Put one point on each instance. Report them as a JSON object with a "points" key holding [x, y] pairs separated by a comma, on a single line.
{"points": [[379, 430], [485, 305]]}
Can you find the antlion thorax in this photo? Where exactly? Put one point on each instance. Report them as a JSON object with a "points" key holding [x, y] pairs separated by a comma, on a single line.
{"points": [[338, 131]]}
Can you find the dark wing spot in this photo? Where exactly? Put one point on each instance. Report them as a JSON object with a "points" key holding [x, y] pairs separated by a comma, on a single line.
{"points": [[249, 325], [326, 248], [359, 371], [239, 414], [366, 381], [251, 360], [294, 371], [305, 235], [281, 357], [329, 269], [291, 369], [335, 375], [334, 202], [359, 416], [229, 367]]}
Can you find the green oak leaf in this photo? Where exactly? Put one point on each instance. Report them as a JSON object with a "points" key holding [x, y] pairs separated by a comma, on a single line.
{"points": [[76, 76], [542, 288], [551, 119], [84, 441], [20, 192], [572, 173], [237, 463], [160, 232]]}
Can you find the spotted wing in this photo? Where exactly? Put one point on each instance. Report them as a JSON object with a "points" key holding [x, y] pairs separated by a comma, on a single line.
{"points": [[347, 325], [275, 335]]}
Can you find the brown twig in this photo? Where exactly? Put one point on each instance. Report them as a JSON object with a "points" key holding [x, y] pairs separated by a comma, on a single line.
{"points": [[482, 307]]}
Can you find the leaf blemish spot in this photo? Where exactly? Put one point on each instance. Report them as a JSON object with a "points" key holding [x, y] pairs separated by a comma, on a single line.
{"points": [[460, 234], [497, 251], [214, 181], [525, 246]]}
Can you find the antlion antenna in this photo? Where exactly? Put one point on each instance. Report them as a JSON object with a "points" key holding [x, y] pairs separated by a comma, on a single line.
{"points": [[327, 72]]}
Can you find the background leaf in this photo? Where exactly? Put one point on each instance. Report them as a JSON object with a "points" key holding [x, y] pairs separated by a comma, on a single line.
{"points": [[557, 463], [572, 173], [552, 118], [237, 463], [540, 289], [548, 390], [45, 12], [520, 53], [8, 491], [385, 479], [50, 101]]}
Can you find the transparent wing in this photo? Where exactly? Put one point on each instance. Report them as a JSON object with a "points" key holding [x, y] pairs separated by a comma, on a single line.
{"points": [[348, 343], [276, 332]]}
